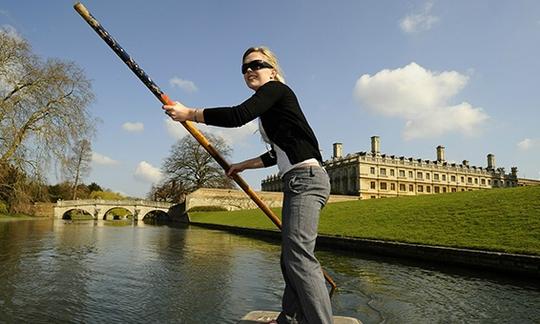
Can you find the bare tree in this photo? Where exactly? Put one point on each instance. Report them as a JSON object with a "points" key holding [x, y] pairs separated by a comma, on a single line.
{"points": [[77, 165], [43, 105], [43, 111], [189, 167]]}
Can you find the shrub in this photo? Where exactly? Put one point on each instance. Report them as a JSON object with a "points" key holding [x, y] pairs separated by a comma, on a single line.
{"points": [[3, 207], [207, 208]]}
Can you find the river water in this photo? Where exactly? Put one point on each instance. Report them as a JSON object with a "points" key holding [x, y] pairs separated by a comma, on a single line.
{"points": [[89, 272]]}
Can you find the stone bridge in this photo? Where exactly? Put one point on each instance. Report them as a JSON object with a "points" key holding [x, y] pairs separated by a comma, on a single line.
{"points": [[98, 208]]}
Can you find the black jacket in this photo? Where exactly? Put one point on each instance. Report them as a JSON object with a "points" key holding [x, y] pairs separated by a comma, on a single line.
{"points": [[283, 121]]}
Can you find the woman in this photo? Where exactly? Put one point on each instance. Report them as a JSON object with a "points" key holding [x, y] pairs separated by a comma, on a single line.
{"points": [[295, 149]]}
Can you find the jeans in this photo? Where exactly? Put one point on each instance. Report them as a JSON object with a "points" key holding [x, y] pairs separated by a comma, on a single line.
{"points": [[305, 299]]}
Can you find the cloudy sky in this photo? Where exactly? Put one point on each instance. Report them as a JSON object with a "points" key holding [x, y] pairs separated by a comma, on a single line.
{"points": [[462, 74]]}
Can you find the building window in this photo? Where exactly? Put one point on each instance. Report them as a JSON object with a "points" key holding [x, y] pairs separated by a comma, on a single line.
{"points": [[436, 189], [410, 174], [428, 188], [469, 180], [454, 190], [462, 179], [489, 182], [443, 189], [402, 173], [427, 176], [373, 197], [419, 175], [382, 171], [453, 178], [420, 188], [483, 181], [393, 186], [383, 185], [392, 172], [444, 177], [402, 187], [411, 187], [435, 176], [373, 185], [372, 170], [476, 180]]}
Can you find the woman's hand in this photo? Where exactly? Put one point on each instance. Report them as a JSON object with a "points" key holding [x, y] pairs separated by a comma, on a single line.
{"points": [[178, 111], [235, 168]]}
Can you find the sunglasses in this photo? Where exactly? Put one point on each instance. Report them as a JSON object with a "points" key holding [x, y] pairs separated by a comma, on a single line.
{"points": [[256, 65]]}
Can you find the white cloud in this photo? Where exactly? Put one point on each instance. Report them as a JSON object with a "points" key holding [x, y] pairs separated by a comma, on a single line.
{"points": [[133, 127], [527, 144], [421, 21], [186, 85], [146, 172], [102, 159], [235, 136], [420, 97], [174, 129], [231, 136]]}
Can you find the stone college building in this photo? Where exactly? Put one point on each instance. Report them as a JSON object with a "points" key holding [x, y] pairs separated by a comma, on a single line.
{"points": [[375, 175]]}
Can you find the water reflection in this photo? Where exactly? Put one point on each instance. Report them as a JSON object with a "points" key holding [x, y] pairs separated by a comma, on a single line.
{"points": [[92, 272]]}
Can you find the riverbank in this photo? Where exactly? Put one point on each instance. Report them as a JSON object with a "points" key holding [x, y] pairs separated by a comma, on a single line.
{"points": [[497, 229], [5, 218], [499, 220], [522, 264]]}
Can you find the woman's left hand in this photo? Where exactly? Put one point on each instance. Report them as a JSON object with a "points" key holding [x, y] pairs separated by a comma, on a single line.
{"points": [[177, 112]]}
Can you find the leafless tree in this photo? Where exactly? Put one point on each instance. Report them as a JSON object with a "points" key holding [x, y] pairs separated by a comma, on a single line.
{"points": [[43, 105], [43, 111], [77, 165], [189, 167]]}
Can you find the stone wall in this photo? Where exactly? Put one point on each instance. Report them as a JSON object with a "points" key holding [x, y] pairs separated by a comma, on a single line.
{"points": [[232, 199]]}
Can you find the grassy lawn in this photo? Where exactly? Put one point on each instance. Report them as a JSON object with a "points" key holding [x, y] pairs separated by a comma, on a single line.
{"points": [[505, 220], [5, 217]]}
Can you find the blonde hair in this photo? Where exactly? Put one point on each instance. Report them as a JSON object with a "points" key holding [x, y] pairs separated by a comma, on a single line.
{"points": [[270, 58]]}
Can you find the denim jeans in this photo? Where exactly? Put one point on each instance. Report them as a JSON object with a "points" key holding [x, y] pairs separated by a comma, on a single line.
{"points": [[305, 299]]}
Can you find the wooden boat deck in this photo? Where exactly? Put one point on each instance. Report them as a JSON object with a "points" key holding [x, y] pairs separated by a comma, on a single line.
{"points": [[258, 317]]}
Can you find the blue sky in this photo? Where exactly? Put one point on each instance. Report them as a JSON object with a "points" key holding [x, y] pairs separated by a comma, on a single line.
{"points": [[462, 74]]}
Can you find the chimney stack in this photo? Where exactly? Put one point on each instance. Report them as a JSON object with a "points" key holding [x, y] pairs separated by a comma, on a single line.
{"points": [[440, 154], [465, 163], [375, 145], [514, 172], [491, 161], [338, 150]]}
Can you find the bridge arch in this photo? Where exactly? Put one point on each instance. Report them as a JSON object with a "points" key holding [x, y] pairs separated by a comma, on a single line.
{"points": [[155, 214], [66, 214], [110, 216]]}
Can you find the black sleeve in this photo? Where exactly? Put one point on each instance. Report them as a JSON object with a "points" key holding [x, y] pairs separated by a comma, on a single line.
{"points": [[265, 97], [269, 158]]}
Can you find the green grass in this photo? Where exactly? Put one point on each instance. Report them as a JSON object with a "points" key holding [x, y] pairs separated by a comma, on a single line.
{"points": [[10, 217], [506, 220]]}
